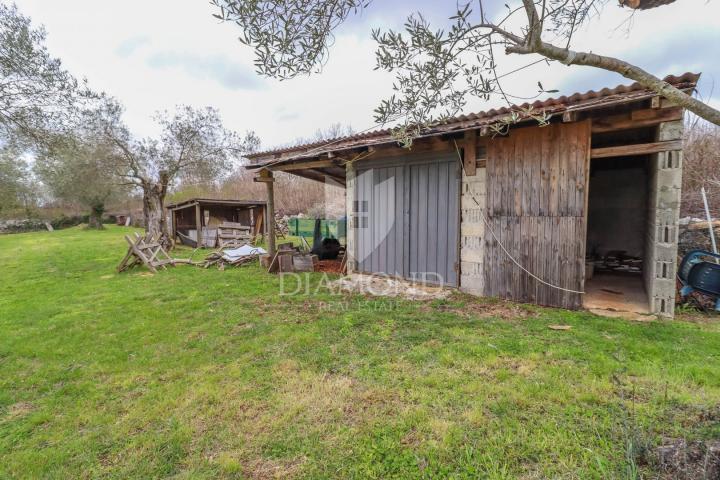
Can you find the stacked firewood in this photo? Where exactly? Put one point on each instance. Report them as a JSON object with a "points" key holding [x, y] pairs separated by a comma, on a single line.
{"points": [[281, 225]]}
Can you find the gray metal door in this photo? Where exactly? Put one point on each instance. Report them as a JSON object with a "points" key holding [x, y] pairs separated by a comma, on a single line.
{"points": [[407, 217]]}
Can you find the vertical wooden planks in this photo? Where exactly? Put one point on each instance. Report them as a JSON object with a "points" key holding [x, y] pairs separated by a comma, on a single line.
{"points": [[536, 204]]}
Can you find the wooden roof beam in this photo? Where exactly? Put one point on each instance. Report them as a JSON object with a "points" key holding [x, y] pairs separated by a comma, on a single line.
{"points": [[302, 165], [636, 119], [636, 149]]}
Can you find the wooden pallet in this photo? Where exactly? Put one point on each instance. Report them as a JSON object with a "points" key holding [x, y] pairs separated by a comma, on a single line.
{"points": [[233, 235]]}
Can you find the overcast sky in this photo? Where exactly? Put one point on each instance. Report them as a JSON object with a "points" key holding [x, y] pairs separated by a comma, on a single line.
{"points": [[153, 55]]}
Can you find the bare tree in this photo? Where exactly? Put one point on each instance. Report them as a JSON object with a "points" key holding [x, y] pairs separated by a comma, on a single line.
{"points": [[701, 168], [193, 146], [37, 95], [437, 70], [334, 130]]}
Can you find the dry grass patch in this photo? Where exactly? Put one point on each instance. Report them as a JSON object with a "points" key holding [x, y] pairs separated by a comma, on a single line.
{"points": [[17, 410]]}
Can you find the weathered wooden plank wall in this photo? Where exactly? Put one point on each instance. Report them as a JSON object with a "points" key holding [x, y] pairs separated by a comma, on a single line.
{"points": [[536, 206]]}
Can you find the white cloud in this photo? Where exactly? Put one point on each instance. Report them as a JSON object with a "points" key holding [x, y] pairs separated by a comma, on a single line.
{"points": [[131, 45], [154, 55]]}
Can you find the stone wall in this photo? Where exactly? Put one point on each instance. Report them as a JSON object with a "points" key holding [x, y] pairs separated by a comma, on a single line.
{"points": [[665, 176], [472, 233]]}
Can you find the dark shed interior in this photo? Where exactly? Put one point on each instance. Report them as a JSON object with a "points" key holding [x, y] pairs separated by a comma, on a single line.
{"points": [[206, 215]]}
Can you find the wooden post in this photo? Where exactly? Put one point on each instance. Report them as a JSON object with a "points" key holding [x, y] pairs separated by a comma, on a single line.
{"points": [[470, 153], [198, 225], [174, 224], [266, 176]]}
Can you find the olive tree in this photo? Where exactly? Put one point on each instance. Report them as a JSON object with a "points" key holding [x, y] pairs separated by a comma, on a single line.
{"points": [[18, 190], [437, 69], [80, 170], [193, 146], [37, 95]]}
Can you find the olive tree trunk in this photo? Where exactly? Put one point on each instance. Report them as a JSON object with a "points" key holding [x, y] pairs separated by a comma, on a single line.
{"points": [[95, 217], [155, 215]]}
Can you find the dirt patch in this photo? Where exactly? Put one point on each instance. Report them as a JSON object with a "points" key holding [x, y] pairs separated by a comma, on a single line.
{"points": [[388, 287], [266, 468], [471, 307], [329, 266], [610, 313]]}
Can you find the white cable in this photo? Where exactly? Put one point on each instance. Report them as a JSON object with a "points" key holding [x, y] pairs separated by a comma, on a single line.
{"points": [[487, 224]]}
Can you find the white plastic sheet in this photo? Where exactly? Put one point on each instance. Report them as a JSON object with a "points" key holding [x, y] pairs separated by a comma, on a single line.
{"points": [[244, 251]]}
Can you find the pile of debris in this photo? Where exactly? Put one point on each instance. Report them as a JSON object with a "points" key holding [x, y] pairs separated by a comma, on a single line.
{"points": [[149, 251], [615, 261], [233, 258], [695, 235], [290, 258]]}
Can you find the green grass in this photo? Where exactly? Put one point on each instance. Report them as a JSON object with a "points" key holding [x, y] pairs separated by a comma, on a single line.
{"points": [[197, 373]]}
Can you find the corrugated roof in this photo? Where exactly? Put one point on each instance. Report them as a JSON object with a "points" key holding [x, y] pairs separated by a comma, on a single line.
{"points": [[214, 201], [553, 106]]}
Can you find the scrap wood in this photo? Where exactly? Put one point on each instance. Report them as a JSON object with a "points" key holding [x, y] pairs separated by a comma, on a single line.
{"points": [[272, 262], [149, 251], [223, 258], [231, 234]]}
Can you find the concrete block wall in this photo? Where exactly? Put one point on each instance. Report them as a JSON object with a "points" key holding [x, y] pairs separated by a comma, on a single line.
{"points": [[350, 174], [660, 266], [472, 232]]}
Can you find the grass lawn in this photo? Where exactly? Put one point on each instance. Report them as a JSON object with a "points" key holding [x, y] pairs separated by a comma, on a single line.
{"points": [[197, 373]]}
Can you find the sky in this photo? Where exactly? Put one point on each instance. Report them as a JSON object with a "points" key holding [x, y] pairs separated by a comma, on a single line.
{"points": [[154, 55]]}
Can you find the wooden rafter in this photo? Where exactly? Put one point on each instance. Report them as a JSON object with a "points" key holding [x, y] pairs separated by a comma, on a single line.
{"points": [[636, 119], [636, 149]]}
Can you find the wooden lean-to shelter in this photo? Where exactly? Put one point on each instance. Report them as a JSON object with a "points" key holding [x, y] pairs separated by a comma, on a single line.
{"points": [[579, 212], [202, 221]]}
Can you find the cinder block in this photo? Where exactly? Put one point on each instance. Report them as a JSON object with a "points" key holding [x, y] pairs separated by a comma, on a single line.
{"points": [[476, 188], [473, 215], [472, 248], [670, 177], [670, 131], [668, 197], [663, 305], [666, 252], [665, 286], [472, 285], [663, 270], [472, 229], [472, 268]]}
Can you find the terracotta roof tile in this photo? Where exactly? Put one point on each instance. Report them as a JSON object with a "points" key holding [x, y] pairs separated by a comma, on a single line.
{"points": [[577, 101]]}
